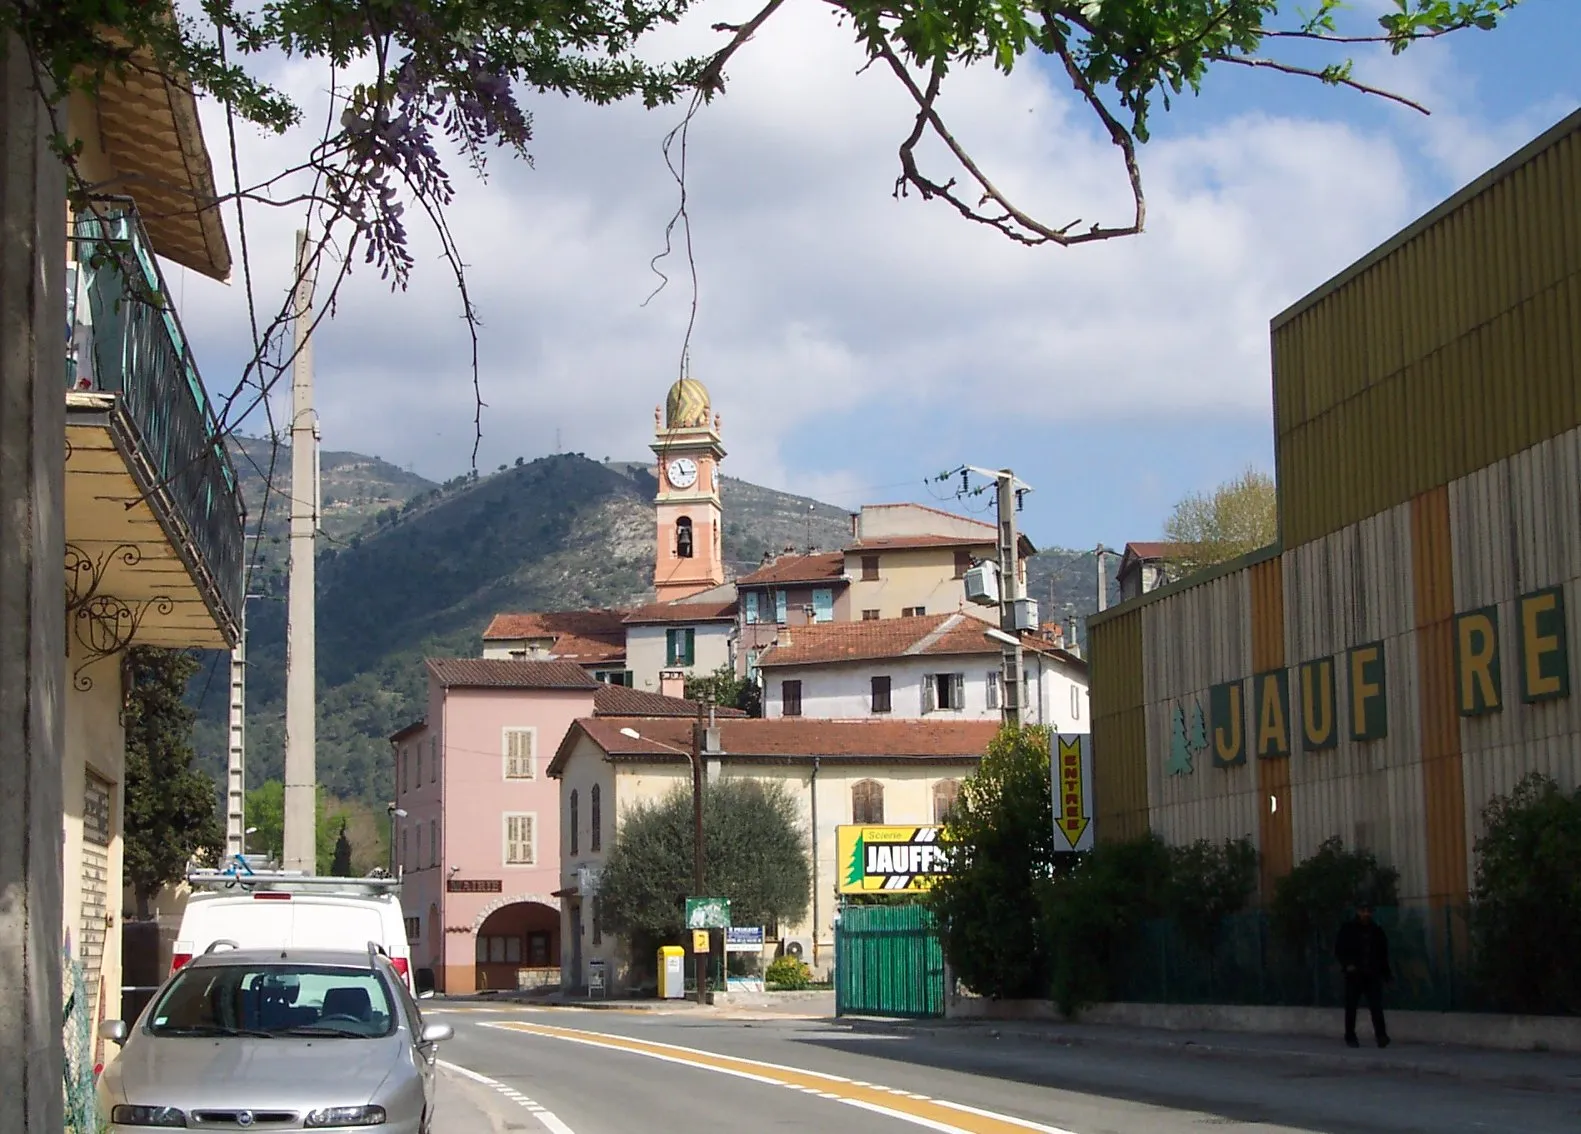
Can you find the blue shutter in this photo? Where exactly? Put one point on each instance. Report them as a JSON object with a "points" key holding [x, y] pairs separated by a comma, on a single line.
{"points": [[752, 606], [823, 605], [779, 607], [671, 641], [691, 645]]}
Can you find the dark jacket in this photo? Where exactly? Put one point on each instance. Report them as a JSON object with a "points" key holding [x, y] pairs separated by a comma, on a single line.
{"points": [[1364, 949]]}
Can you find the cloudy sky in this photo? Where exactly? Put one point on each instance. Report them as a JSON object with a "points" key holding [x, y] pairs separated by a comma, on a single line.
{"points": [[856, 345]]}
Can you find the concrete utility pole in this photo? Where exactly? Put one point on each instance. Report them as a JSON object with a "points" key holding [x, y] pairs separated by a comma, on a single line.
{"points": [[301, 773], [1007, 491], [1103, 581], [236, 763], [698, 736]]}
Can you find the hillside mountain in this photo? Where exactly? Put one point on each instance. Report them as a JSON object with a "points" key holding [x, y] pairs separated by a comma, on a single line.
{"points": [[408, 568]]}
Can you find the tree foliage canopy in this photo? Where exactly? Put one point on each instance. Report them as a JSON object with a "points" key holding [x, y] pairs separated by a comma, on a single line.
{"points": [[724, 688], [1239, 517], [1000, 836], [1313, 900], [1526, 916], [171, 807], [755, 853]]}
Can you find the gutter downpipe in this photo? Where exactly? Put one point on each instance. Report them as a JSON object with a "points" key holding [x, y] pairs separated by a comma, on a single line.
{"points": [[816, 924]]}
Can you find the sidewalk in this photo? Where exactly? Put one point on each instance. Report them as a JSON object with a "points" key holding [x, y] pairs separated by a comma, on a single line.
{"points": [[1540, 1071], [816, 1005]]}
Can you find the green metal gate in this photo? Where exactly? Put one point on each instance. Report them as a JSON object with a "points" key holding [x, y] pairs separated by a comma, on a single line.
{"points": [[888, 962]]}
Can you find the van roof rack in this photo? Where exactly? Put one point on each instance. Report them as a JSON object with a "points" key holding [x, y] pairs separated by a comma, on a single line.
{"points": [[290, 881]]}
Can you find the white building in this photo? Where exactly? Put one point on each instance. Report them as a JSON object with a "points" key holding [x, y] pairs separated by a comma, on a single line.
{"points": [[942, 667]]}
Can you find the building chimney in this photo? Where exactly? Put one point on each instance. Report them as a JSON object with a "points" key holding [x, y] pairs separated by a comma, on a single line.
{"points": [[672, 683]]}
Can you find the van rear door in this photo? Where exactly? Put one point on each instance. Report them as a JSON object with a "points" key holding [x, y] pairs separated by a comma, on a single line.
{"points": [[329, 923]]}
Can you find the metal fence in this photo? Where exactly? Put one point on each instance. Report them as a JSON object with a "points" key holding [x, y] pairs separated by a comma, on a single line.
{"points": [[129, 341], [888, 961], [1429, 952]]}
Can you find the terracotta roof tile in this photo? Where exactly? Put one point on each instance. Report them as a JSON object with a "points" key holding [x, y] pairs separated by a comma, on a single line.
{"points": [[718, 611], [880, 638], [587, 636], [899, 542], [620, 701], [1159, 550], [779, 739], [822, 568], [499, 673]]}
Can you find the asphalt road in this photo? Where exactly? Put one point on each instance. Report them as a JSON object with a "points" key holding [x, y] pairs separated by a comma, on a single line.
{"points": [[594, 1072]]}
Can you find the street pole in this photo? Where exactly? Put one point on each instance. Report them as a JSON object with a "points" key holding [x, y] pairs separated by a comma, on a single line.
{"points": [[236, 761], [1009, 592], [301, 775], [697, 842], [1103, 582]]}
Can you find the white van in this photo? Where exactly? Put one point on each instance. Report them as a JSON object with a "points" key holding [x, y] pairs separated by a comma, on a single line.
{"points": [[285, 909]]}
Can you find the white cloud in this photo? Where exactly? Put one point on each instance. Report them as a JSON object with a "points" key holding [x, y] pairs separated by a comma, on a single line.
{"points": [[820, 294]]}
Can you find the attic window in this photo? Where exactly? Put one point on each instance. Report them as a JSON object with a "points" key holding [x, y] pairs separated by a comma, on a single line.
{"points": [[683, 538]]}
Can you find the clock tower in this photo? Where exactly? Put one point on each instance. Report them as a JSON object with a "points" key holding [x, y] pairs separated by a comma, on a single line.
{"points": [[691, 552]]}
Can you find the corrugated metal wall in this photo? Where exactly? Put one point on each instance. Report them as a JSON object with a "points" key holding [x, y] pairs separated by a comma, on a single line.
{"points": [[1275, 838], [1118, 731], [1347, 590], [1516, 528], [1194, 640], [1456, 345]]}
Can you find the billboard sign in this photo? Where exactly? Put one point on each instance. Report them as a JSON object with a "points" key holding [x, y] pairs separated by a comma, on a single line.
{"points": [[1070, 763], [878, 859]]}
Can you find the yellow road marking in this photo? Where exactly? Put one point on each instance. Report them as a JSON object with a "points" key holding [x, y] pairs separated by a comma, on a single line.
{"points": [[919, 1110]]}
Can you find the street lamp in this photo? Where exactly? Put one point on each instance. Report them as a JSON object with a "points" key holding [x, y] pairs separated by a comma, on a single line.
{"points": [[395, 813], [696, 757], [248, 831]]}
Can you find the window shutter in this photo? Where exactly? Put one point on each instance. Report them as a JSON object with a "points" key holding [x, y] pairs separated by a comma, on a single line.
{"points": [[752, 606], [518, 840], [418, 780], [433, 842], [519, 745], [691, 645], [571, 818], [823, 605], [993, 688], [671, 641], [433, 763], [930, 696], [595, 816], [779, 607], [958, 691]]}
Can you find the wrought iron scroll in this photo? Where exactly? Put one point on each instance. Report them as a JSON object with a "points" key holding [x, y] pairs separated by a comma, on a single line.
{"points": [[105, 625], [85, 573]]}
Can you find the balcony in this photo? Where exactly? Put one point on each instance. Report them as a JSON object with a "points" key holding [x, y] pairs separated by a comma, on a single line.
{"points": [[154, 516]]}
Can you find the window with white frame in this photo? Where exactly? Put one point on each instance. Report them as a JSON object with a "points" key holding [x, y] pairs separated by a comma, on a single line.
{"points": [[520, 839], [520, 747], [944, 691]]}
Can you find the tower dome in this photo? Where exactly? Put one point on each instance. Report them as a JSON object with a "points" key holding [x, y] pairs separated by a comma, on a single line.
{"points": [[687, 407]]}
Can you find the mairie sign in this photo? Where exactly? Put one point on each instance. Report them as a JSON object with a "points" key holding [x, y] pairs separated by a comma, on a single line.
{"points": [[1070, 766], [892, 859]]}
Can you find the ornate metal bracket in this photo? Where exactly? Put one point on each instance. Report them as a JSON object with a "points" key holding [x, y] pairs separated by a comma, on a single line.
{"points": [[85, 573], [106, 625]]}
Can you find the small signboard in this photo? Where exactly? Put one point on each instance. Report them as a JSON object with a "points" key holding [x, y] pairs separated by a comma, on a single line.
{"points": [[889, 859], [699, 940], [707, 913], [744, 939], [1070, 763], [473, 885]]}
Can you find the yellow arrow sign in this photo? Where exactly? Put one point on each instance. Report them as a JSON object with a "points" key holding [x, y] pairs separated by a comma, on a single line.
{"points": [[1071, 802]]}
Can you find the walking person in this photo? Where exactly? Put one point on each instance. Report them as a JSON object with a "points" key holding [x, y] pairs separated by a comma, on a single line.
{"points": [[1362, 950]]}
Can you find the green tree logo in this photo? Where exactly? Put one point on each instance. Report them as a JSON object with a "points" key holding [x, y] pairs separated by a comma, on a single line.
{"points": [[853, 869]]}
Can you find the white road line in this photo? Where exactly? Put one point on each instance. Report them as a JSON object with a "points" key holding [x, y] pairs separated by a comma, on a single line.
{"points": [[547, 1117]]}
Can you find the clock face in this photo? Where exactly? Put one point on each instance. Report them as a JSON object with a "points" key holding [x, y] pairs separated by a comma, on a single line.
{"points": [[682, 472]]}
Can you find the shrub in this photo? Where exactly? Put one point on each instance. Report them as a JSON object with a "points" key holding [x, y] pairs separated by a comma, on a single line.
{"points": [[1313, 899], [787, 974], [1000, 836], [1207, 883], [1526, 913]]}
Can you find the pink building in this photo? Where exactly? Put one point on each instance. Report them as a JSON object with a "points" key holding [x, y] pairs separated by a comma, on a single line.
{"points": [[478, 844]]}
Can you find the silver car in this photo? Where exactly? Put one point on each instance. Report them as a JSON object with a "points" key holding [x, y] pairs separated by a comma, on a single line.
{"points": [[275, 1040]]}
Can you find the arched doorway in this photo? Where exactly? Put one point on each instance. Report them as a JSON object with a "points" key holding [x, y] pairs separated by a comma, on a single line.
{"points": [[518, 945]]}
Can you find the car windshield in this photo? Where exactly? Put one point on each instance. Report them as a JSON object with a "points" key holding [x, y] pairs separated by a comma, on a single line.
{"points": [[274, 1000]]}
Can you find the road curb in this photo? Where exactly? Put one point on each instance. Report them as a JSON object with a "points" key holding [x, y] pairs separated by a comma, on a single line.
{"points": [[1309, 1060]]}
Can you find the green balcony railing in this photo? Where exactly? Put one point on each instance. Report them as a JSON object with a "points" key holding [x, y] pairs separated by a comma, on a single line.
{"points": [[126, 339]]}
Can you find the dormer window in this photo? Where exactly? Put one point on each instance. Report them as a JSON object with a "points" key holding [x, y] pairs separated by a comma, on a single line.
{"points": [[683, 538]]}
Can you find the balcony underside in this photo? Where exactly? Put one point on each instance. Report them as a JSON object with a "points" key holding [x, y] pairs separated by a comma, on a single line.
{"points": [[133, 572]]}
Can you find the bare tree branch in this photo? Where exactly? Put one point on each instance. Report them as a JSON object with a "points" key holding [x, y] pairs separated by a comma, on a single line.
{"points": [[1332, 78]]}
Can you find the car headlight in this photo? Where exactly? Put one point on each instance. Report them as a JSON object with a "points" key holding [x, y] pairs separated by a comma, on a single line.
{"points": [[345, 1116], [148, 1116]]}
